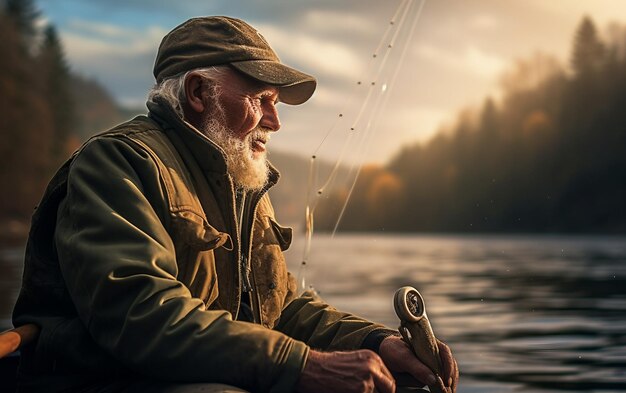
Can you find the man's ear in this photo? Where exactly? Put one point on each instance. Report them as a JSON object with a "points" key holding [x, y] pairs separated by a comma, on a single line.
{"points": [[194, 87]]}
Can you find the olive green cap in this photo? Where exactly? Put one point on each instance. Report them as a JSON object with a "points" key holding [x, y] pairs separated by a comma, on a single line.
{"points": [[220, 40]]}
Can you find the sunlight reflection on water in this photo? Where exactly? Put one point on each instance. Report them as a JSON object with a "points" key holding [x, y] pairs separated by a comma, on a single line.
{"points": [[522, 313]]}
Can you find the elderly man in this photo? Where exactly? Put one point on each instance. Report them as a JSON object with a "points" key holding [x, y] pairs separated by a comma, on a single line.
{"points": [[155, 263]]}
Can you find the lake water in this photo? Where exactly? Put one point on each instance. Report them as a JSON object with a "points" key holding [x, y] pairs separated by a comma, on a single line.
{"points": [[521, 313]]}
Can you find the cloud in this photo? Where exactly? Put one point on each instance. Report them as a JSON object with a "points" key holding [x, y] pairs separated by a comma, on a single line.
{"points": [[407, 126], [420, 123], [602, 10], [101, 30], [402, 125], [335, 22], [484, 22], [119, 57], [482, 63], [471, 60], [330, 97], [116, 54], [313, 53], [81, 49], [87, 38]]}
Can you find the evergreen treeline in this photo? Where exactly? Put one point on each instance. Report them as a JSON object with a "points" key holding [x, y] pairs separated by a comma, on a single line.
{"points": [[36, 109], [550, 156], [45, 112]]}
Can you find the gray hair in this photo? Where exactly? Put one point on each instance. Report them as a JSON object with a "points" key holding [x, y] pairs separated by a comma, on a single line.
{"points": [[172, 89]]}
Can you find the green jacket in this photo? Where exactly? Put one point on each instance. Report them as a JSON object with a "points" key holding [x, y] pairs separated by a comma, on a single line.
{"points": [[134, 266]]}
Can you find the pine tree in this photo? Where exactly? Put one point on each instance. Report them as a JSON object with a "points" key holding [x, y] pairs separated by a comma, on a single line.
{"points": [[588, 50], [24, 118], [24, 15], [56, 85]]}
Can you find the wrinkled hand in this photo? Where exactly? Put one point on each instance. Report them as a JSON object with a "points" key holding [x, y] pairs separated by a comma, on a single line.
{"points": [[400, 359], [361, 371]]}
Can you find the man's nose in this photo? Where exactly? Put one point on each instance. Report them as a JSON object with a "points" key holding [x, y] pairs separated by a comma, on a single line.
{"points": [[270, 117]]}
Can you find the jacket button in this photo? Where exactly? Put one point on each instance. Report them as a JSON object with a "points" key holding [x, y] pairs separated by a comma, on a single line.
{"points": [[272, 285]]}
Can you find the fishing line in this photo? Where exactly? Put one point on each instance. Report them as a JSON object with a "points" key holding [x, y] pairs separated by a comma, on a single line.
{"points": [[379, 109], [405, 6], [403, 10], [352, 95], [381, 95], [311, 204]]}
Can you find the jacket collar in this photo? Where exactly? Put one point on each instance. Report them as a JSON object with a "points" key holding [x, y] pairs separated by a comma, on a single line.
{"points": [[209, 156]]}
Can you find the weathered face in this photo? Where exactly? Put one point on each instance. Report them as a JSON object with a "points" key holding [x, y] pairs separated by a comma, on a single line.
{"points": [[246, 105], [241, 117]]}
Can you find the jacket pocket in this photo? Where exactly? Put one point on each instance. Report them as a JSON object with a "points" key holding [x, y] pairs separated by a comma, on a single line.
{"points": [[269, 267], [195, 242], [283, 234]]}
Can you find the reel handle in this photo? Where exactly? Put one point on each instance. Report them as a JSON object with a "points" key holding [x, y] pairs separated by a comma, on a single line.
{"points": [[416, 330]]}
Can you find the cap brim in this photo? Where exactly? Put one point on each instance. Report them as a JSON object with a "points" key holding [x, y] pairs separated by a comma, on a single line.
{"points": [[295, 87]]}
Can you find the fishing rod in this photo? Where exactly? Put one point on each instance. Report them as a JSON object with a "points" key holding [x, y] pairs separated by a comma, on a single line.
{"points": [[379, 78]]}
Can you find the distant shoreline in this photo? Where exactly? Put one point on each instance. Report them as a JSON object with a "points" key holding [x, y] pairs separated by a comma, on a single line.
{"points": [[14, 233]]}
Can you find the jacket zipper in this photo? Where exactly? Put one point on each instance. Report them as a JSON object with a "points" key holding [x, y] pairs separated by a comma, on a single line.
{"points": [[244, 260], [255, 300], [235, 219]]}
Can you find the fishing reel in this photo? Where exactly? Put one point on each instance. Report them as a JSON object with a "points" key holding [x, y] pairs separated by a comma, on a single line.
{"points": [[416, 330]]}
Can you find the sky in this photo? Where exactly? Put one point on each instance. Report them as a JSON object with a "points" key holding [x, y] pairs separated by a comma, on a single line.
{"points": [[454, 56]]}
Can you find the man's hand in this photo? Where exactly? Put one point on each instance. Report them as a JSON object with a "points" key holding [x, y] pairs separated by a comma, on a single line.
{"points": [[400, 359], [361, 371]]}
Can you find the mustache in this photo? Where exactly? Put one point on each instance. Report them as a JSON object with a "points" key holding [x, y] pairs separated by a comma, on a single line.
{"points": [[260, 133]]}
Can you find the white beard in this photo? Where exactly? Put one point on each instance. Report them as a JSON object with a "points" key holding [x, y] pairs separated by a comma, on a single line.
{"points": [[248, 173]]}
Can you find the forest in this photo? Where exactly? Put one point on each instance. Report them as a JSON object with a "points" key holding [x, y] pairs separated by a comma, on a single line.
{"points": [[46, 112], [548, 155]]}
